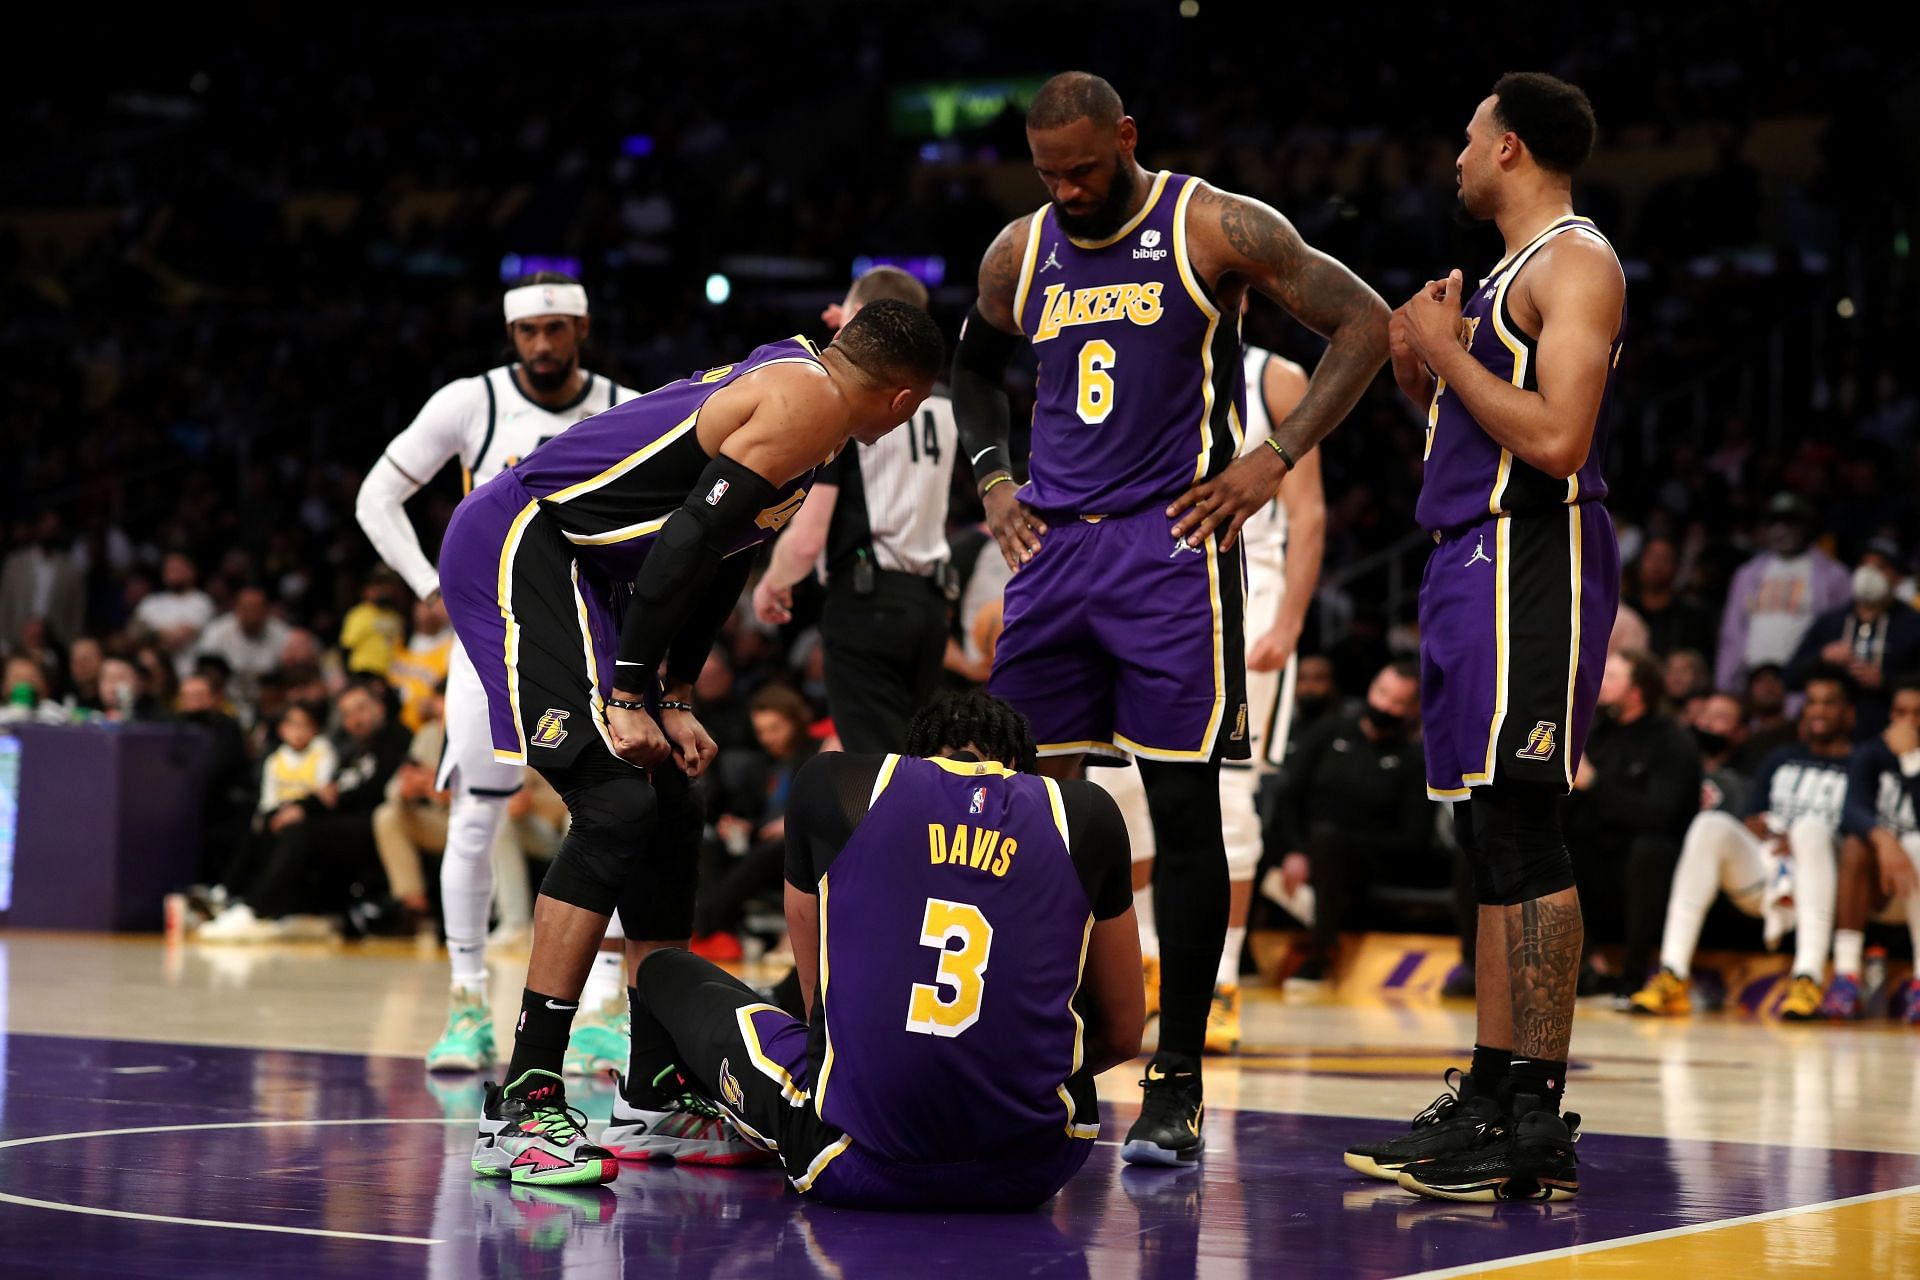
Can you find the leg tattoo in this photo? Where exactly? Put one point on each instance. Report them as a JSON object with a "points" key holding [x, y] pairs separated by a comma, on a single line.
{"points": [[1544, 937]]}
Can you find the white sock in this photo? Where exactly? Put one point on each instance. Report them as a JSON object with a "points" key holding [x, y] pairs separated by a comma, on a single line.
{"points": [[1149, 932], [1229, 974], [606, 981], [1848, 944], [469, 965]]}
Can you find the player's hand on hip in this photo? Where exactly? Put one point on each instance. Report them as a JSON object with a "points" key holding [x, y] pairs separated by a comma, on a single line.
{"points": [[1013, 525], [772, 605], [1433, 316], [693, 747], [1221, 505], [637, 739]]}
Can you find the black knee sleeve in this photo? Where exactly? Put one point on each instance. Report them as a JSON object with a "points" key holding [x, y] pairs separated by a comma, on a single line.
{"points": [[612, 812], [1514, 843], [656, 902]]}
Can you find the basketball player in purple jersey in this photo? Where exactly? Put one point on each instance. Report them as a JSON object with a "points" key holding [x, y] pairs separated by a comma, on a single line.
{"points": [[965, 940], [1124, 617], [1516, 608], [663, 492]]}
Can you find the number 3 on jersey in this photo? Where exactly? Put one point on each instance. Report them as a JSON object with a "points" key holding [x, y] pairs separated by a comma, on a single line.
{"points": [[1096, 383], [962, 972]]}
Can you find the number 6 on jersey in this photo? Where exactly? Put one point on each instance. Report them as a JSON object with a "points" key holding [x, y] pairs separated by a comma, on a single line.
{"points": [[1096, 384], [962, 971]]}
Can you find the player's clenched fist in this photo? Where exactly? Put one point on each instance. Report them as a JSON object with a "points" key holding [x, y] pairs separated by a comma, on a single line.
{"points": [[637, 739]]}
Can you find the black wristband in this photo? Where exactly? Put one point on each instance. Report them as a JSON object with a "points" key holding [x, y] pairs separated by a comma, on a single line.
{"points": [[1280, 449], [677, 706], [621, 704]]}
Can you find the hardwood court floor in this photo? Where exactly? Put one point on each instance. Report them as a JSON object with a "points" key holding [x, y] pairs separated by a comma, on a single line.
{"points": [[173, 1110]]}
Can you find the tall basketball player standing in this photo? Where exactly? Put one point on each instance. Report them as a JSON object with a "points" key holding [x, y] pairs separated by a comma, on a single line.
{"points": [[1124, 616], [1516, 608]]}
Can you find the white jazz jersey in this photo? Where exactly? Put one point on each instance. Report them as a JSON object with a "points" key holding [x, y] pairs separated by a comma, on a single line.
{"points": [[1264, 535], [488, 423]]}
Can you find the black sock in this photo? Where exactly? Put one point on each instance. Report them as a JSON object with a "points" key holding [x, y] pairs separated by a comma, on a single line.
{"points": [[651, 1080], [540, 1037], [1538, 1078], [1489, 1070]]}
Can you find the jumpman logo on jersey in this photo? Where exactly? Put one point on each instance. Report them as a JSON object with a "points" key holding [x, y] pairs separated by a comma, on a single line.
{"points": [[1479, 555], [1053, 259]]}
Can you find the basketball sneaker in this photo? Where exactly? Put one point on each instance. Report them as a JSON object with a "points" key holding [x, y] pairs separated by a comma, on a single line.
{"points": [[529, 1134], [1664, 996], [1529, 1158], [599, 1040], [1169, 1130], [1223, 1020], [1803, 1000], [467, 1043], [1455, 1121], [1150, 976], [691, 1130], [1842, 1002]]}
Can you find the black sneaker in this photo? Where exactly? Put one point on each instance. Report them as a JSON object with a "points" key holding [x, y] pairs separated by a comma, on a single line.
{"points": [[1456, 1121], [1530, 1158], [1169, 1130]]}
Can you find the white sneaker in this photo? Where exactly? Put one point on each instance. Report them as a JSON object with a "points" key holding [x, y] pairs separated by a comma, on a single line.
{"points": [[238, 924], [693, 1130]]}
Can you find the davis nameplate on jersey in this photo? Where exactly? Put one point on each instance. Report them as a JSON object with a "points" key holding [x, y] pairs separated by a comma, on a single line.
{"points": [[1540, 744], [552, 729]]}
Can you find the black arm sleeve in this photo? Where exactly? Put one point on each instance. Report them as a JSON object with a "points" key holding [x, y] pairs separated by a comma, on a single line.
{"points": [[684, 560], [694, 641], [1097, 842], [828, 799], [980, 405]]}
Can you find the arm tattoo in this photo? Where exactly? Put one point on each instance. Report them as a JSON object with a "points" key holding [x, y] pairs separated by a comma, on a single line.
{"points": [[1000, 274], [1544, 938], [1319, 292]]}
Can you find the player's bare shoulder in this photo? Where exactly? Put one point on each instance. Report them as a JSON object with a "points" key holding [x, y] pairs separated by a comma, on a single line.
{"points": [[1000, 273], [1574, 269]]}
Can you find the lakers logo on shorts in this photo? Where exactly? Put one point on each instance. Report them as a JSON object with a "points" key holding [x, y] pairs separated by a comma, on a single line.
{"points": [[552, 729], [730, 1091], [1540, 742], [1240, 725]]}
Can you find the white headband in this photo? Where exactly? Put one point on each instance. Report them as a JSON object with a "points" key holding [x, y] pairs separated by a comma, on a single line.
{"points": [[545, 300]]}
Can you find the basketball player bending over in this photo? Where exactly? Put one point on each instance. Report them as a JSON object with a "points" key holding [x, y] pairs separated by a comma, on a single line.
{"points": [[664, 492], [965, 939], [1124, 619], [1516, 608]]}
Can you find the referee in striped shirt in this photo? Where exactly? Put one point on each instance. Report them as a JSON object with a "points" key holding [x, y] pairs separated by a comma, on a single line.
{"points": [[879, 514]]}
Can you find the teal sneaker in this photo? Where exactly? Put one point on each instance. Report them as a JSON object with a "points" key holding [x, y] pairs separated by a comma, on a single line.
{"points": [[467, 1043], [599, 1041]]}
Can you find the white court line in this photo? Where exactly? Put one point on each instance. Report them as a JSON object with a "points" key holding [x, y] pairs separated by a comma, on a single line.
{"points": [[1672, 1233], [31, 1203]]}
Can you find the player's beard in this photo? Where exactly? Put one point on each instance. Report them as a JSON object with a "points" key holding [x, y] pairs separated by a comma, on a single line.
{"points": [[551, 379], [1109, 217]]}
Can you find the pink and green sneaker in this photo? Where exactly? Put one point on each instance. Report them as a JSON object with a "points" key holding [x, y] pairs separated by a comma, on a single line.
{"points": [[529, 1134]]}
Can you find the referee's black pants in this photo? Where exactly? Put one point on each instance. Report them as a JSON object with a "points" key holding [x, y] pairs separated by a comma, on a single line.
{"points": [[883, 656]]}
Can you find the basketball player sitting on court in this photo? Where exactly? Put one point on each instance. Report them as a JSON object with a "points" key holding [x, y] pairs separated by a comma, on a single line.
{"points": [[1778, 864], [1880, 853], [663, 492], [965, 938]]}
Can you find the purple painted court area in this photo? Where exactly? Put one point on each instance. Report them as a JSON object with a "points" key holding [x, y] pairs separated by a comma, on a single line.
{"points": [[1272, 1194]]}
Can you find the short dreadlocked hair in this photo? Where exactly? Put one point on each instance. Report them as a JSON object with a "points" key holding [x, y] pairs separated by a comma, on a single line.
{"points": [[974, 719]]}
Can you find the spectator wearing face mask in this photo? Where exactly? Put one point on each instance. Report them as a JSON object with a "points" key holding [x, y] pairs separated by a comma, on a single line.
{"points": [[1637, 788], [1776, 595], [1353, 809], [1720, 731], [1875, 639]]}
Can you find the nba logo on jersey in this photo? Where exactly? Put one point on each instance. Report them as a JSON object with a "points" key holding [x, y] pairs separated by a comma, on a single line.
{"points": [[1539, 742], [979, 804], [552, 729], [716, 493]]}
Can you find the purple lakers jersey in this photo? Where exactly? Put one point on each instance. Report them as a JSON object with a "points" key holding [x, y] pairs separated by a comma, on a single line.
{"points": [[953, 931], [1469, 476], [1140, 390], [611, 481]]}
